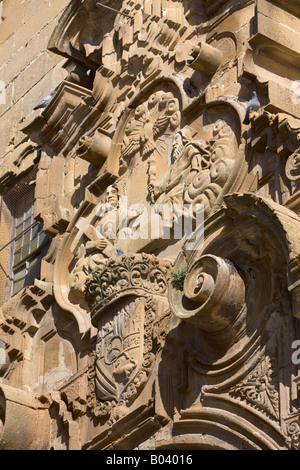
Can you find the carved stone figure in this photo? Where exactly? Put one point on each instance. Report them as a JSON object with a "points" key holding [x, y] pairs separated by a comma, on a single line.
{"points": [[91, 255], [153, 120], [206, 181], [198, 172]]}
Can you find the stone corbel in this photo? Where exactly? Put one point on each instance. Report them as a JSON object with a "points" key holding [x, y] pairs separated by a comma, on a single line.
{"points": [[276, 132], [205, 58], [24, 421], [103, 92], [95, 149], [51, 127]]}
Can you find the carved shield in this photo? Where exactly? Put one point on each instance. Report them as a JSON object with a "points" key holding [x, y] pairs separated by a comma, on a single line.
{"points": [[120, 350]]}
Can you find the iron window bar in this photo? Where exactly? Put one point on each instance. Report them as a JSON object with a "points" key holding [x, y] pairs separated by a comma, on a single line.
{"points": [[19, 236], [113, 9]]}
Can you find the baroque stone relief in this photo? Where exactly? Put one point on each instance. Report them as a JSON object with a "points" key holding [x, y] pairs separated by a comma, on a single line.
{"points": [[235, 266], [126, 296], [155, 161], [161, 126]]}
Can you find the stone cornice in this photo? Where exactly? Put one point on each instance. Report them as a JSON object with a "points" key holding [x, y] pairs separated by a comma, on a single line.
{"points": [[53, 127]]}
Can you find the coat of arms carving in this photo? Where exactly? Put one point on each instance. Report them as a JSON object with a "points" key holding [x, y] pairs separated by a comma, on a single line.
{"points": [[123, 350]]}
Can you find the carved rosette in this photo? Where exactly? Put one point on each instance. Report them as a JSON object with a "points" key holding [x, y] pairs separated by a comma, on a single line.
{"points": [[123, 297]]}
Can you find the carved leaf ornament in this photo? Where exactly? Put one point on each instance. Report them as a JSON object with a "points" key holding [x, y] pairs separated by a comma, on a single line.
{"points": [[135, 272]]}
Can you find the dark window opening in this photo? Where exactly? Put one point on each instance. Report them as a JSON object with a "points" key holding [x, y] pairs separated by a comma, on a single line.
{"points": [[28, 243]]}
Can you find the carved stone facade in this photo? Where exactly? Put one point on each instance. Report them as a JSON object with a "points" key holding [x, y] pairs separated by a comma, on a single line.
{"points": [[165, 314]]}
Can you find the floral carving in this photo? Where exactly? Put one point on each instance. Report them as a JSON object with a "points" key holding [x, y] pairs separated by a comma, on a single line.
{"points": [[140, 271], [293, 434], [259, 389]]}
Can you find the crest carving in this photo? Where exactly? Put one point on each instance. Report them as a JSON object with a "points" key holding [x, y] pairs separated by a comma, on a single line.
{"points": [[126, 275], [123, 351]]}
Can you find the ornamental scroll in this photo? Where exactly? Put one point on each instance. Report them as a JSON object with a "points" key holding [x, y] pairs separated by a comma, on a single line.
{"points": [[221, 339]]}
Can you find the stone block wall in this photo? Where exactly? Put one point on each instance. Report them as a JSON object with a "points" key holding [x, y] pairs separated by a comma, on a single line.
{"points": [[28, 73]]}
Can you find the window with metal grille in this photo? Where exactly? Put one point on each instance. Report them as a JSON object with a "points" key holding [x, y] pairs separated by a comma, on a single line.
{"points": [[28, 244]]}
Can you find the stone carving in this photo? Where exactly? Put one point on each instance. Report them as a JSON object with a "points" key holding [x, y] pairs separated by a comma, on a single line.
{"points": [[123, 351], [96, 148], [145, 132], [205, 58], [231, 340], [155, 27], [121, 361], [207, 181], [293, 433], [293, 167], [91, 254], [199, 169], [143, 354], [126, 273], [214, 294], [259, 390]]}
